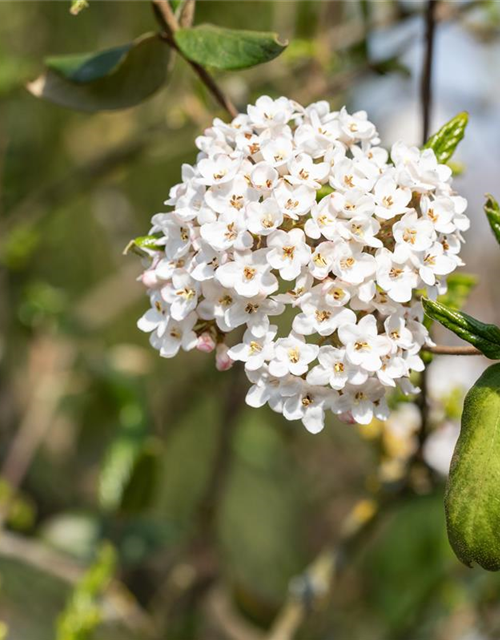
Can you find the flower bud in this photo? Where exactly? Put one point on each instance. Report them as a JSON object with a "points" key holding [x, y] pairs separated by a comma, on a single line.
{"points": [[205, 343], [149, 279], [222, 360]]}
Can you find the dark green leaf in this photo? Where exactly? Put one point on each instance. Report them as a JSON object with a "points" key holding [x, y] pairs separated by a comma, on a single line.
{"points": [[492, 210], [114, 79], [485, 337], [227, 49], [472, 505], [445, 141], [77, 6]]}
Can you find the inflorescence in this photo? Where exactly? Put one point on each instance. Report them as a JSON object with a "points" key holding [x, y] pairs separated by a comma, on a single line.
{"points": [[297, 216]]}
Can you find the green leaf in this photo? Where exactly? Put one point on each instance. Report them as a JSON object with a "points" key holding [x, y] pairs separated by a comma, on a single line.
{"points": [[471, 501], [83, 612], [142, 245], [485, 337], [459, 287], [323, 191], [492, 210], [77, 6], [125, 449], [117, 78], [445, 141], [227, 49]]}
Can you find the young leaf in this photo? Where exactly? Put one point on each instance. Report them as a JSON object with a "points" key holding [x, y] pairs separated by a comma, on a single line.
{"points": [[471, 501], [142, 245], [492, 210], [445, 141], [227, 49], [77, 6], [113, 79], [485, 337]]}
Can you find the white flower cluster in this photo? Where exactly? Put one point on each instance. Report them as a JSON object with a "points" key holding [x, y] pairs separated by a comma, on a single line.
{"points": [[299, 213]]}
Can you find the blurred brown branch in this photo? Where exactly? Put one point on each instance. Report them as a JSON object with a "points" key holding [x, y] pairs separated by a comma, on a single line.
{"points": [[167, 19]]}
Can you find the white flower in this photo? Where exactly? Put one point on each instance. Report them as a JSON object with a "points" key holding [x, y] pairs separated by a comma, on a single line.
{"points": [[250, 274], [288, 252], [366, 402], [397, 279], [435, 263], [353, 265], [264, 176], [309, 405], [364, 347], [264, 217], [254, 312], [229, 231], [318, 316], [177, 335], [268, 389], [303, 170], [294, 201], [181, 294], [220, 169], [416, 232], [390, 199], [335, 369], [269, 113], [231, 197], [292, 355], [254, 351]]}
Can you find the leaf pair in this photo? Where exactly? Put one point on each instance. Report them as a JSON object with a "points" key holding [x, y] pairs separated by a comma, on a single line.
{"points": [[125, 76]]}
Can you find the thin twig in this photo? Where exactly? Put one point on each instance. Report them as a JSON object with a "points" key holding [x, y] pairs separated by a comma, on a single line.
{"points": [[427, 104], [445, 350], [167, 19]]}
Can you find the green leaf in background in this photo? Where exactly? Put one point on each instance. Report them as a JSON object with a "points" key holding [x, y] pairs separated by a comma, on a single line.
{"points": [[492, 210], [472, 505], [118, 78], [83, 611], [445, 141], [227, 49], [485, 337], [77, 6], [459, 287]]}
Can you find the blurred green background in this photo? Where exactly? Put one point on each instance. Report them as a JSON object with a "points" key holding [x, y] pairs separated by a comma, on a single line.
{"points": [[197, 516]]}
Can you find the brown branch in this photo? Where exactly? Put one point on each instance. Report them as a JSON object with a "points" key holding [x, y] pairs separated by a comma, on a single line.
{"points": [[426, 87], [445, 350], [168, 21]]}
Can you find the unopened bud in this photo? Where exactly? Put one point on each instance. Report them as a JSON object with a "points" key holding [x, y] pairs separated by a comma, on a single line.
{"points": [[205, 343], [222, 361]]}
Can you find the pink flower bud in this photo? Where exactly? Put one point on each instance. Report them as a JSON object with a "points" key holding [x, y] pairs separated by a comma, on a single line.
{"points": [[222, 361], [346, 417], [149, 279], [205, 343]]}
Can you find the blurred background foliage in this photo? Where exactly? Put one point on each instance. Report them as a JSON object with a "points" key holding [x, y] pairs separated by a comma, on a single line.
{"points": [[139, 498]]}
